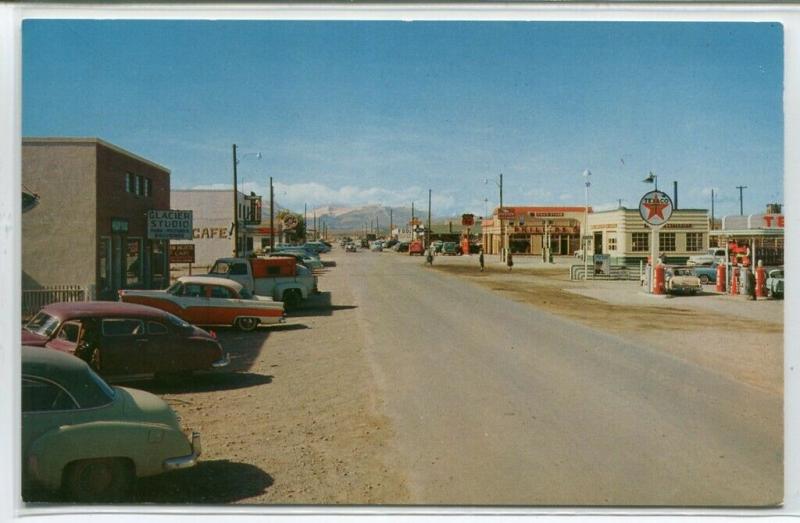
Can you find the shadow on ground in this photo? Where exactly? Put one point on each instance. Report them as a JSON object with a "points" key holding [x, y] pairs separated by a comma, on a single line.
{"points": [[318, 305], [203, 383]]}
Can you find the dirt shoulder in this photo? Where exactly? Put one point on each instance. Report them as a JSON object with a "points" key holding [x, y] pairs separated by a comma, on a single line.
{"points": [[748, 350]]}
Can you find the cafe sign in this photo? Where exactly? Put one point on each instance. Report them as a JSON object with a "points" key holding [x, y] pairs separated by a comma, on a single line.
{"points": [[169, 225]]}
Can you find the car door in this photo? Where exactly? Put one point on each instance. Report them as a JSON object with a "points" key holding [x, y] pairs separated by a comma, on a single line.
{"points": [[66, 339], [164, 352], [194, 303], [124, 347]]}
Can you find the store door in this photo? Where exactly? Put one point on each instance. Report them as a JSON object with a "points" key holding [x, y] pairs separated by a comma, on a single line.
{"points": [[598, 243]]}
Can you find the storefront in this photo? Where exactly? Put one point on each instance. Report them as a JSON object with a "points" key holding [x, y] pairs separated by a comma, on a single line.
{"points": [[526, 230], [623, 234], [755, 237], [89, 227]]}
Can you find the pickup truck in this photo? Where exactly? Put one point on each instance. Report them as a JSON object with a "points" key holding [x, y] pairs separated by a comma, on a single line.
{"points": [[281, 278]]}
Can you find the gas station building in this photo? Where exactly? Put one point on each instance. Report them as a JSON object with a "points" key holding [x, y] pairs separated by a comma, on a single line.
{"points": [[525, 229]]}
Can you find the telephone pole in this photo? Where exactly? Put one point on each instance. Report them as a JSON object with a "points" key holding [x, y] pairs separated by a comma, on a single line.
{"points": [[428, 230], [741, 208], [235, 209], [271, 217]]}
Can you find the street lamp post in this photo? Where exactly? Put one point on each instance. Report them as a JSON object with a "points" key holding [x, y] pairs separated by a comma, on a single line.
{"points": [[271, 217], [236, 200], [585, 236]]}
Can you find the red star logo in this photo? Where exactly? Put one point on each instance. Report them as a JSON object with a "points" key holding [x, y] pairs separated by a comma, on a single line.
{"points": [[655, 208]]}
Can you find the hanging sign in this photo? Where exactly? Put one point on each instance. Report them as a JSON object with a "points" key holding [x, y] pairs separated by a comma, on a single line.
{"points": [[169, 224], [655, 208]]}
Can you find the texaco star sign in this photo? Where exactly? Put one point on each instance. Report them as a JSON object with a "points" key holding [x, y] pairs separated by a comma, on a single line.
{"points": [[655, 208]]}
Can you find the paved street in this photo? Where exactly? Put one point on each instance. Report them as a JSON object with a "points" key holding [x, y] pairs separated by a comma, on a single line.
{"points": [[495, 402]]}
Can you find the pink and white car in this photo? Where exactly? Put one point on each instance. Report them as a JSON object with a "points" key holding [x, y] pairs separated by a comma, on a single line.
{"points": [[206, 300]]}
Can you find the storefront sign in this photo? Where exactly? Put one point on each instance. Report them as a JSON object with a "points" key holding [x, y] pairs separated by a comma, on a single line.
{"points": [[655, 208], [467, 220], [678, 226], [210, 233], [290, 222], [119, 225], [181, 253], [504, 213], [169, 225]]}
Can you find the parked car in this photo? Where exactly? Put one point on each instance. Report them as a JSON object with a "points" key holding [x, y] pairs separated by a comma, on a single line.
{"points": [[712, 256], [437, 246], [376, 246], [92, 440], [350, 247], [204, 300], [317, 247], [401, 247], [682, 280], [125, 339], [390, 243], [775, 283], [450, 248], [706, 273]]}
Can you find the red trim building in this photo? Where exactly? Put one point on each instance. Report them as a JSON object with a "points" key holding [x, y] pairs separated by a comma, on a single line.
{"points": [[526, 232]]}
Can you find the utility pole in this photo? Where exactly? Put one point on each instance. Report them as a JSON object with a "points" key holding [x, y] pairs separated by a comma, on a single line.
{"points": [[391, 222], [413, 227], [235, 209], [305, 222], [712, 209], [502, 227], [428, 230], [271, 217], [315, 225], [741, 208]]}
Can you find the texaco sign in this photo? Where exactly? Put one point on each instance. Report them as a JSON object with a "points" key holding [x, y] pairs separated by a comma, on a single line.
{"points": [[655, 207]]}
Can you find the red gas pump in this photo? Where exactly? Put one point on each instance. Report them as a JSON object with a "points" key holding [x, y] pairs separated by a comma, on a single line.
{"points": [[721, 277], [735, 281], [658, 279], [465, 245], [761, 281]]}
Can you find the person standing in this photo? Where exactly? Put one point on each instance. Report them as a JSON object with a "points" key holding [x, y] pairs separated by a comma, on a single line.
{"points": [[480, 259], [509, 260]]}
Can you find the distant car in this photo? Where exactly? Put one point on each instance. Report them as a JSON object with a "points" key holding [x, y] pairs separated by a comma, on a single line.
{"points": [[775, 283], [376, 246], [415, 247], [682, 280], [437, 246], [449, 248], [317, 247], [390, 243], [350, 247], [713, 255], [205, 300], [401, 247], [90, 439], [706, 273], [125, 339]]}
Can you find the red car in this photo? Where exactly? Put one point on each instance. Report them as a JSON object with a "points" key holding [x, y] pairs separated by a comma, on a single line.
{"points": [[416, 247], [125, 339]]}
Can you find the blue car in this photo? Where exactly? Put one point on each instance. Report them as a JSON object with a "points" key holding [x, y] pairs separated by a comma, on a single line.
{"points": [[706, 273]]}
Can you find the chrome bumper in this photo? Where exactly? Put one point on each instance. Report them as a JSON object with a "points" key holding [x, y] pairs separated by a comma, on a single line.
{"points": [[184, 462], [222, 362]]}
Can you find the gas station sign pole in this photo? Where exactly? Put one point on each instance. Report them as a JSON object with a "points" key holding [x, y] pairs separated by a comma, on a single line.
{"points": [[655, 208]]}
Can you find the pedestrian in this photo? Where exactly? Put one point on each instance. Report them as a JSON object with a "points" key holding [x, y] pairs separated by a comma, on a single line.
{"points": [[429, 256], [480, 259], [509, 260]]}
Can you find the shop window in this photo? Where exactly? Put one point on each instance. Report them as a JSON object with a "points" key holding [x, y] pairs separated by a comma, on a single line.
{"points": [[138, 188], [694, 241], [611, 243], [666, 242], [148, 187], [640, 241], [133, 262], [158, 263]]}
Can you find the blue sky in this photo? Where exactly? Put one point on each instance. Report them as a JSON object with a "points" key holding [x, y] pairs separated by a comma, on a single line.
{"points": [[378, 112]]}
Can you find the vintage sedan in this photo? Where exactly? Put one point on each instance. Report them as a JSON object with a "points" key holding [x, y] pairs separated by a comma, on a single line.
{"points": [[206, 300], [682, 280], [90, 439], [125, 339]]}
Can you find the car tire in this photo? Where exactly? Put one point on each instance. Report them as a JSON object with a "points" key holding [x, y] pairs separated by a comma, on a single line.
{"points": [[292, 299], [95, 480], [247, 324], [704, 279]]}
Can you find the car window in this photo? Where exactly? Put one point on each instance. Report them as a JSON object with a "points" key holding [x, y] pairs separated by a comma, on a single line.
{"points": [[69, 331], [245, 294], [39, 395], [238, 268], [176, 321], [192, 289], [122, 327], [42, 323], [220, 292], [153, 327], [176, 288]]}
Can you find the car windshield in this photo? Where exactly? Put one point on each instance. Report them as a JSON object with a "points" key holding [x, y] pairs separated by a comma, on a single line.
{"points": [[175, 288], [177, 322], [220, 268], [777, 274], [42, 324]]}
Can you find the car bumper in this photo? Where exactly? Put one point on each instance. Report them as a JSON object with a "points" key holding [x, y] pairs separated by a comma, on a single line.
{"points": [[190, 460], [224, 361]]}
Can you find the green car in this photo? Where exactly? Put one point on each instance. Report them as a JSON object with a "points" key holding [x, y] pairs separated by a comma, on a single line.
{"points": [[92, 440], [450, 248]]}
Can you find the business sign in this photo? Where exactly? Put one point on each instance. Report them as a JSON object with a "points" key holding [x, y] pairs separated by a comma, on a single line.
{"points": [[504, 213], [290, 222], [169, 225], [655, 208], [468, 220], [181, 253]]}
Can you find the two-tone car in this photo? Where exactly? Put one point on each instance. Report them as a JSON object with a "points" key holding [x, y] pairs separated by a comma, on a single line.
{"points": [[125, 339], [682, 280], [774, 283], [89, 439], [206, 300]]}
